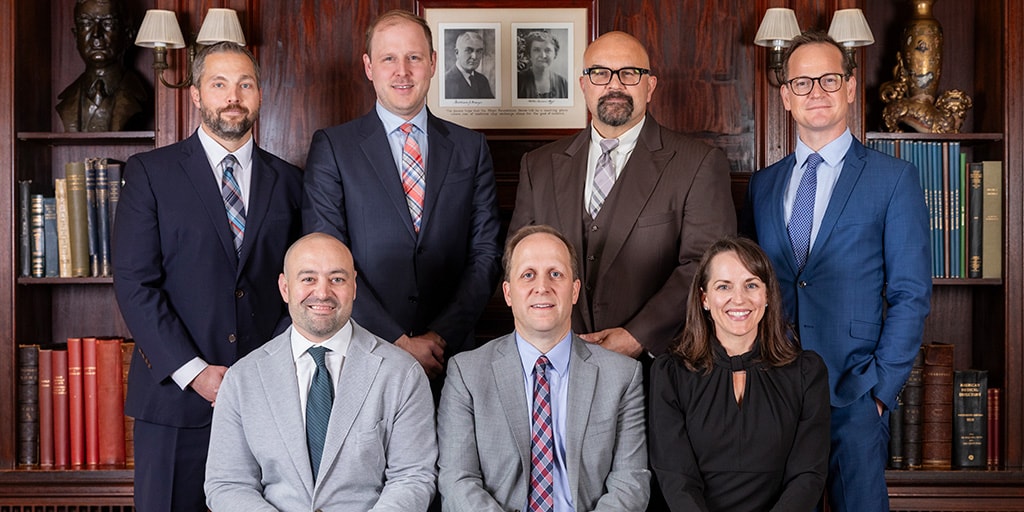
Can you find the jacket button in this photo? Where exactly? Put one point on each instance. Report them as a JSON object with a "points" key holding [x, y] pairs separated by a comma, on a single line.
{"points": [[593, 227], [802, 284], [239, 294], [232, 338], [591, 258], [413, 299]]}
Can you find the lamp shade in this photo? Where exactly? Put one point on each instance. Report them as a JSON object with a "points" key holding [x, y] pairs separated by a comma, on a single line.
{"points": [[850, 28], [778, 28], [160, 28], [221, 25]]}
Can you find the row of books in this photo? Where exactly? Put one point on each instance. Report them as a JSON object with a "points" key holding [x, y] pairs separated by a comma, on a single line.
{"points": [[68, 235], [945, 419], [70, 401], [965, 204]]}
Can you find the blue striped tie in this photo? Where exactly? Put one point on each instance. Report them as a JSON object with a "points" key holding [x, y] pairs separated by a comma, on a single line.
{"points": [[541, 494], [233, 203], [318, 408], [802, 218]]}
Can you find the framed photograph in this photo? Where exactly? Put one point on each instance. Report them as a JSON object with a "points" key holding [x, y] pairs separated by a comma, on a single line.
{"points": [[510, 67]]}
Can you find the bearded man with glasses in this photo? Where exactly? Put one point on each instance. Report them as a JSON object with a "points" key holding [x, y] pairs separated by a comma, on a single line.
{"points": [[846, 228]]}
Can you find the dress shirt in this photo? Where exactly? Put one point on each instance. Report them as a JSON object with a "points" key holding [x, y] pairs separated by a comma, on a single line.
{"points": [[558, 381], [396, 137], [465, 74], [215, 153], [620, 155], [834, 154], [336, 345]]}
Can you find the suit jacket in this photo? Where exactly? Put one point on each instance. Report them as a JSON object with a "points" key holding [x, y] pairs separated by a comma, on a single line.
{"points": [[380, 449], [439, 279], [863, 295], [456, 86], [484, 431], [674, 201], [182, 291]]}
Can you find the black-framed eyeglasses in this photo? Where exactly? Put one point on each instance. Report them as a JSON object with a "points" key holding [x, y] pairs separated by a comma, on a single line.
{"points": [[600, 75], [829, 82]]}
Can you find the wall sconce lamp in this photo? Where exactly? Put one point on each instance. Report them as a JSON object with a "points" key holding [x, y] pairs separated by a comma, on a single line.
{"points": [[160, 31], [778, 28]]}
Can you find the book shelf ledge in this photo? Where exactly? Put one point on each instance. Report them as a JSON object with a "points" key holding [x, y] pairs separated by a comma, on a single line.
{"points": [[938, 137], [956, 478], [64, 280], [92, 138], [961, 281]]}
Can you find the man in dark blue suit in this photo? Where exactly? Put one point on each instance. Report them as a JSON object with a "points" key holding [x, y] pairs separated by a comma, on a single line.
{"points": [[202, 229], [413, 197], [852, 256]]}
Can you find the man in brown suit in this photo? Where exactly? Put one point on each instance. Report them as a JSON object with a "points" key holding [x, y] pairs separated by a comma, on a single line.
{"points": [[640, 214]]}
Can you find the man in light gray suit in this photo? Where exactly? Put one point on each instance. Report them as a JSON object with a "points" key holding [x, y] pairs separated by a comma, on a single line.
{"points": [[377, 439], [521, 424]]}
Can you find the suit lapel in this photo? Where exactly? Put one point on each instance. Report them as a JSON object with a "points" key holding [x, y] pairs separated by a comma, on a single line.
{"points": [[853, 167], [582, 386], [439, 156], [777, 211], [569, 176], [263, 178], [508, 376], [377, 150], [197, 169]]}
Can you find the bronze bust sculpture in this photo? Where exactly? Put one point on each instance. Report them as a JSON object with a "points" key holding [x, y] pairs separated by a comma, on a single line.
{"points": [[108, 96]]}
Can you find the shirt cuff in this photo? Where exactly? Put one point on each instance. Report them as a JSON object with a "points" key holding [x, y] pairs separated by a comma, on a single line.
{"points": [[188, 372]]}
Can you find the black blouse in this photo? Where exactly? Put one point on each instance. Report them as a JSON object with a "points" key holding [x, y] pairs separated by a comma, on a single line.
{"points": [[710, 454]]}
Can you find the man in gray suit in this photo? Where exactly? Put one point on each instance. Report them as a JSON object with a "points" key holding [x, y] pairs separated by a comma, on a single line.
{"points": [[521, 423], [371, 418]]}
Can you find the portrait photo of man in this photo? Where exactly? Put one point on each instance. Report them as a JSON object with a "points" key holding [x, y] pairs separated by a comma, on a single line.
{"points": [[469, 63]]}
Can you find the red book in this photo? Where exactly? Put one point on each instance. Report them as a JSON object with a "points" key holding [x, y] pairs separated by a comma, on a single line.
{"points": [[994, 432], [76, 413], [45, 408], [61, 436], [129, 423], [92, 433], [110, 401]]}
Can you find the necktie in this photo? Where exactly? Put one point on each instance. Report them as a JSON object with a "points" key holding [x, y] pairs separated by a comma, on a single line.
{"points": [[318, 408], [604, 176], [232, 195], [542, 461], [802, 218], [413, 176]]}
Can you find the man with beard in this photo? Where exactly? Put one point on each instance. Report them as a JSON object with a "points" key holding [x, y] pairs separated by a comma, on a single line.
{"points": [[463, 80], [203, 224]]}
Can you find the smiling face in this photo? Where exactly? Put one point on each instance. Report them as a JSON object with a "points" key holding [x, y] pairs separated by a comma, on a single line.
{"points": [[228, 97], [820, 116], [400, 66], [319, 285], [541, 289], [736, 299]]}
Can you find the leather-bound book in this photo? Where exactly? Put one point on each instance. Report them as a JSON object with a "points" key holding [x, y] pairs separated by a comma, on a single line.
{"points": [[76, 402], [61, 435], [92, 426], [937, 407], [45, 408], [28, 406], [78, 218], [912, 394], [127, 347], [995, 436], [970, 415], [110, 402]]}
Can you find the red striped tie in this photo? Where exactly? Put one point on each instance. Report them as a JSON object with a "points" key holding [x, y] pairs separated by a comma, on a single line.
{"points": [[413, 176]]}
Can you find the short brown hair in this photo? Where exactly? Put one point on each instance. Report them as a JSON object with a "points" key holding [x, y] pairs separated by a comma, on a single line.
{"points": [[816, 37], [525, 231], [394, 16], [199, 65]]}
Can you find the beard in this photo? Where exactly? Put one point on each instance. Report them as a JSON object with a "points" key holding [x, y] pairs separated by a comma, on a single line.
{"points": [[615, 114], [223, 128]]}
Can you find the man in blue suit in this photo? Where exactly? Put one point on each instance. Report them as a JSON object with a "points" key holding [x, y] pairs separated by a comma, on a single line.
{"points": [[413, 197], [203, 226], [846, 228]]}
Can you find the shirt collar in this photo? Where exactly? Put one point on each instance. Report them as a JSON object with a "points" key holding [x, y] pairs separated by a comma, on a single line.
{"points": [[216, 153], [558, 355], [626, 141], [833, 153], [338, 343], [392, 122]]}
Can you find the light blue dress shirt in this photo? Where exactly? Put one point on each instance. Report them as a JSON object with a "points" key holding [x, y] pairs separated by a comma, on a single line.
{"points": [[396, 137], [834, 154]]}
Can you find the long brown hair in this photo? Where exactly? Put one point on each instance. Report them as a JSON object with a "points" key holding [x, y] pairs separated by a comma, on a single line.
{"points": [[777, 339]]}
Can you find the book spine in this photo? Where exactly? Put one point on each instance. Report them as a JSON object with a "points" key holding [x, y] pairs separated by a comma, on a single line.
{"points": [[912, 397], [896, 435], [113, 189], [970, 428], [89, 389], [50, 236], [102, 218], [127, 348], [937, 407], [995, 439], [61, 438], [28, 405], [110, 401], [78, 218], [38, 236], [992, 220], [76, 404], [60, 190], [974, 214], [90, 219], [45, 408], [25, 233]]}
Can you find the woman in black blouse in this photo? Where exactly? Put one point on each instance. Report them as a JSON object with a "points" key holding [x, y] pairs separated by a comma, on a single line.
{"points": [[739, 417]]}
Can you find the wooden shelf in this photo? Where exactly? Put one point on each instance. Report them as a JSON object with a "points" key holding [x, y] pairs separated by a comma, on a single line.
{"points": [[938, 137], [957, 281], [71, 486], [64, 280], [88, 138]]}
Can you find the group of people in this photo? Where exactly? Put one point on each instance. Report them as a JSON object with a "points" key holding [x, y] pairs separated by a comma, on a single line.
{"points": [[658, 361]]}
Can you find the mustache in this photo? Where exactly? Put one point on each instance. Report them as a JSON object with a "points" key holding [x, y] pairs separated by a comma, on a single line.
{"points": [[234, 108], [616, 95]]}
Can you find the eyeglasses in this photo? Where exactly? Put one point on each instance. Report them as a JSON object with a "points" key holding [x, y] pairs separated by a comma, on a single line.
{"points": [[600, 75], [829, 82]]}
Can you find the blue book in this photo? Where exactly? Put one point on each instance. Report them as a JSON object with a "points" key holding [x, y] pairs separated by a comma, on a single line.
{"points": [[50, 248]]}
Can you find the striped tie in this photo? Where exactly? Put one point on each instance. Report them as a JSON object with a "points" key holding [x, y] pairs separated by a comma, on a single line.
{"points": [[318, 408], [413, 176], [233, 203], [542, 451], [604, 176], [802, 217]]}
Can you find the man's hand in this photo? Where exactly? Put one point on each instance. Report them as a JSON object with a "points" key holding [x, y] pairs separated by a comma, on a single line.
{"points": [[616, 339], [428, 349], [207, 383]]}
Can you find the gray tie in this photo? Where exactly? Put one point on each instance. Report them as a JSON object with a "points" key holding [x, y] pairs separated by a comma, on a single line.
{"points": [[604, 176], [318, 408]]}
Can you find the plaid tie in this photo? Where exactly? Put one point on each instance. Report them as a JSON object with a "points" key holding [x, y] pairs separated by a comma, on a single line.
{"points": [[604, 176], [542, 462], [413, 176], [802, 218], [318, 408], [232, 195]]}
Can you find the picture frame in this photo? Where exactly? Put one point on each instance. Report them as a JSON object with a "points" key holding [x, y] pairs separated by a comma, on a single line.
{"points": [[510, 68]]}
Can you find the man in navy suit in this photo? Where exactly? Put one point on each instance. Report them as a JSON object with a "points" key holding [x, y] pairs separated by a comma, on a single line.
{"points": [[427, 259], [463, 80], [202, 229], [857, 282]]}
